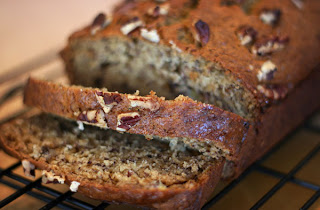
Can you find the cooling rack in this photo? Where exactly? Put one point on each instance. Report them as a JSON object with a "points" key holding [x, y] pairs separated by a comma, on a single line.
{"points": [[288, 177]]}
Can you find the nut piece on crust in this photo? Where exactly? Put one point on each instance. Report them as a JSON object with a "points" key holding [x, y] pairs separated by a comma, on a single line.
{"points": [[108, 100], [151, 35], [49, 177], [127, 120], [270, 16], [269, 45], [28, 168], [100, 22], [74, 186], [143, 102], [93, 117], [246, 34], [273, 92], [131, 26], [267, 71]]}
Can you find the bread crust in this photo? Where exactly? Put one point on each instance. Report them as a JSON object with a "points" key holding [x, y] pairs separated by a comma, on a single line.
{"points": [[180, 196], [279, 120]]}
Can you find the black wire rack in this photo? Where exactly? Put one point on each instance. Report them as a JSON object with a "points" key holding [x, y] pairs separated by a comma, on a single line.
{"points": [[54, 198]]}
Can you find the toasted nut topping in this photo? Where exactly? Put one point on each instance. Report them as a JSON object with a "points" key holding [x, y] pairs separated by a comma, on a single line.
{"points": [[28, 168], [298, 3], [203, 32], [267, 71], [246, 35], [49, 177], [270, 16], [272, 91], [151, 35], [131, 26], [270, 45], [108, 100], [101, 21], [93, 117], [159, 10], [100, 117], [88, 116], [127, 120], [74, 186], [174, 46], [144, 102]]}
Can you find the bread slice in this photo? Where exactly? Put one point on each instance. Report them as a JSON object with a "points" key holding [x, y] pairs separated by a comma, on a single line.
{"points": [[113, 167], [200, 126]]}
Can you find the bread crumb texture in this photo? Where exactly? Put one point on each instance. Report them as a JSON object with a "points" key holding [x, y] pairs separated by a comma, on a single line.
{"points": [[103, 156]]}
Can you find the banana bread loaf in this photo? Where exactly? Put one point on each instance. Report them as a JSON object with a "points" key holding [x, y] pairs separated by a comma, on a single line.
{"points": [[258, 59], [110, 166]]}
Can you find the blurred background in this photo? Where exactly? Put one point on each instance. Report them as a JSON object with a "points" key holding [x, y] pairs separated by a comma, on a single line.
{"points": [[34, 31]]}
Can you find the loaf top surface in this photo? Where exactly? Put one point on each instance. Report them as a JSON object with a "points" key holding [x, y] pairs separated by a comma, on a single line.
{"points": [[267, 43]]}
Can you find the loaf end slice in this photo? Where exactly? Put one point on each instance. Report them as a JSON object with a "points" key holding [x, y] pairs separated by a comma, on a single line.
{"points": [[110, 166], [204, 127]]}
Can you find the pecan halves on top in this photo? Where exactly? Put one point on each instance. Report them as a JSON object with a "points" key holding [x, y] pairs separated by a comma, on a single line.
{"points": [[203, 32]]}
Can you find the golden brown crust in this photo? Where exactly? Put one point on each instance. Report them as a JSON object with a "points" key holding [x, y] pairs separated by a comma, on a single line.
{"points": [[181, 117], [280, 119], [294, 63], [180, 196]]}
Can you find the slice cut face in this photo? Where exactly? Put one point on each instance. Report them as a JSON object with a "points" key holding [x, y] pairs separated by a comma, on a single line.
{"points": [[112, 166], [203, 127]]}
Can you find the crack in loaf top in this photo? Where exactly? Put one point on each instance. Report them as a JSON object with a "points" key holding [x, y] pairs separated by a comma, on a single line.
{"points": [[283, 35]]}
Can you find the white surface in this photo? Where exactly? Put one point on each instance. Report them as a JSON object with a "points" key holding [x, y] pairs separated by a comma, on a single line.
{"points": [[31, 28]]}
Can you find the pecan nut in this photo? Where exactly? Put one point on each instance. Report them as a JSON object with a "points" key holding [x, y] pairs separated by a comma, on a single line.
{"points": [[270, 16], [108, 100], [151, 35], [100, 22], [203, 32], [131, 25], [273, 91], [127, 120], [93, 117], [49, 177], [267, 71], [246, 34], [158, 10], [143, 102], [28, 168], [74, 186], [269, 45], [109, 97]]}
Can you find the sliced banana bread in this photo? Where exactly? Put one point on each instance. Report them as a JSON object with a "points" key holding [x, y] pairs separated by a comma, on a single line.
{"points": [[109, 166], [200, 126]]}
